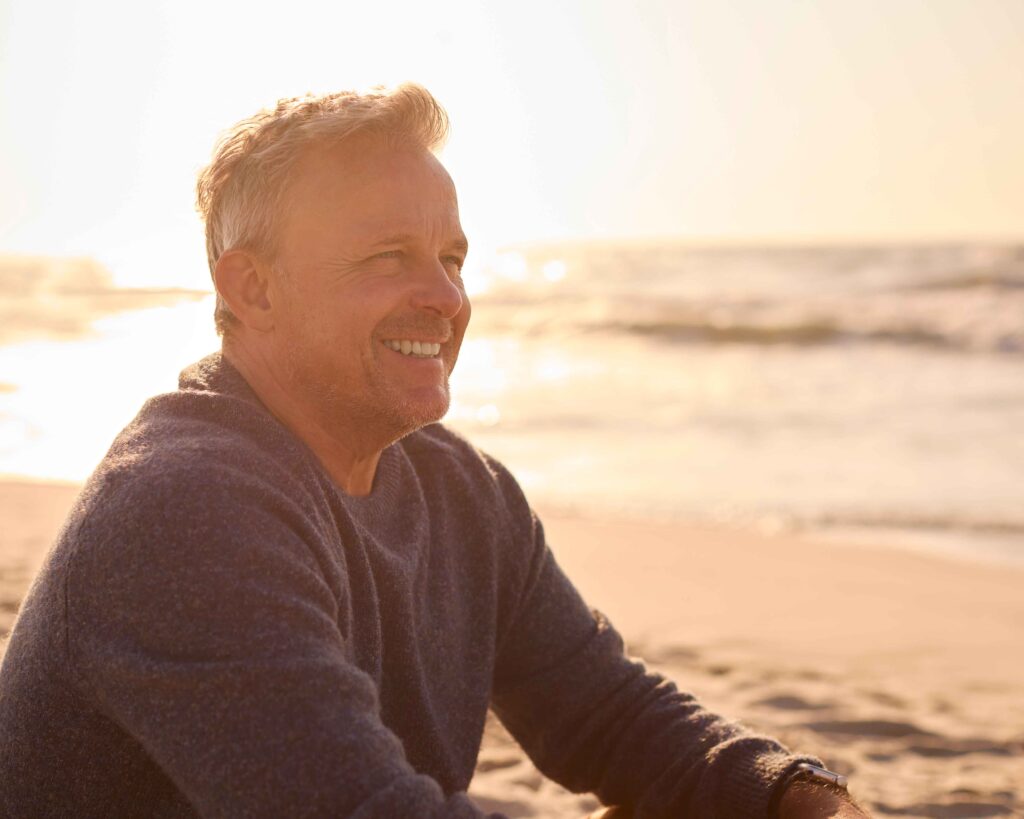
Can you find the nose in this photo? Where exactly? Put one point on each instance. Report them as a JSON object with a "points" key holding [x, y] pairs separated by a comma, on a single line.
{"points": [[436, 292]]}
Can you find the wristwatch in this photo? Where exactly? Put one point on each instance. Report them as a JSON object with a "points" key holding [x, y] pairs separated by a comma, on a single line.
{"points": [[805, 772]]}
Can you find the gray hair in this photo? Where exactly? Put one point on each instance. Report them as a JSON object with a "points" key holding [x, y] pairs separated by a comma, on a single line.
{"points": [[239, 193]]}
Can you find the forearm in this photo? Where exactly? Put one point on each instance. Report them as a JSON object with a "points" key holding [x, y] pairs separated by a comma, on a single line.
{"points": [[594, 720]]}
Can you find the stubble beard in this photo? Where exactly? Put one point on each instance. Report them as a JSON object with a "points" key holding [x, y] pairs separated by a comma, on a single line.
{"points": [[372, 410]]}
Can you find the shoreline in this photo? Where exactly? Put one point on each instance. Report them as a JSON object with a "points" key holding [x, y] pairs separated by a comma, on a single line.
{"points": [[991, 546], [670, 558]]}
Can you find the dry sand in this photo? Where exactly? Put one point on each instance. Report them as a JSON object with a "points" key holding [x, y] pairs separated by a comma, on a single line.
{"points": [[903, 671]]}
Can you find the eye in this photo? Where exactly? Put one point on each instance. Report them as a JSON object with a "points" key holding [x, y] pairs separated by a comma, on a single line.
{"points": [[458, 261], [387, 254]]}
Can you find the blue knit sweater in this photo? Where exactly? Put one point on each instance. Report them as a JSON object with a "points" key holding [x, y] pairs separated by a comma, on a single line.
{"points": [[220, 632]]}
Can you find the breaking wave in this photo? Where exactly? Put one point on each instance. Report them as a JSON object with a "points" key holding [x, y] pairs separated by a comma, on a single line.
{"points": [[808, 333], [978, 321]]}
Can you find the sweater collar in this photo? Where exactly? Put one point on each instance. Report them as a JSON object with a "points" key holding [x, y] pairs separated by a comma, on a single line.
{"points": [[215, 373]]}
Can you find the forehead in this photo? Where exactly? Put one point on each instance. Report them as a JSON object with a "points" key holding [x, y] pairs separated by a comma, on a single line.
{"points": [[364, 186]]}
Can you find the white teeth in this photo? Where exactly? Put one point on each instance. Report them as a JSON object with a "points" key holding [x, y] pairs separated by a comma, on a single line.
{"points": [[423, 349]]}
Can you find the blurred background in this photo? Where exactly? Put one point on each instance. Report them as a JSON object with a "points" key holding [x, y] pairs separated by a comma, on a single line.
{"points": [[751, 263]]}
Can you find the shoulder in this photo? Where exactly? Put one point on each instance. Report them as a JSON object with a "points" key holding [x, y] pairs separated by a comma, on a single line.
{"points": [[189, 440], [440, 451], [196, 469], [187, 511]]}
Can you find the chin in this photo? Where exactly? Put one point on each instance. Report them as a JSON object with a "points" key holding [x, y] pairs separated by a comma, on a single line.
{"points": [[413, 414]]}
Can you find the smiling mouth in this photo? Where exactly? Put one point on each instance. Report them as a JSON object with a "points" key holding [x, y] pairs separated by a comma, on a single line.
{"points": [[414, 349]]}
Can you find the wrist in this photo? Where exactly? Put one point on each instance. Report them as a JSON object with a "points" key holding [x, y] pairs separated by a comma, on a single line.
{"points": [[809, 791]]}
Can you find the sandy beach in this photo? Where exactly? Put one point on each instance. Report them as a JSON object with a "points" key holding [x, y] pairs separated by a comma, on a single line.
{"points": [[903, 671]]}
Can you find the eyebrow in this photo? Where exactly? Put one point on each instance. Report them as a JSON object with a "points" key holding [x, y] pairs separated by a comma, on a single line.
{"points": [[460, 243]]}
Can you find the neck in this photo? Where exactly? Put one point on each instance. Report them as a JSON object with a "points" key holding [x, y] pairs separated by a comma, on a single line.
{"points": [[351, 464]]}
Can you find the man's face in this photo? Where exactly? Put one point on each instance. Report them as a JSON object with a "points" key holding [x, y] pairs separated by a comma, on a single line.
{"points": [[369, 252]]}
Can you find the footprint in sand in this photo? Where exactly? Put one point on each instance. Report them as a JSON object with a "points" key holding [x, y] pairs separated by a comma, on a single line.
{"points": [[952, 810], [529, 779], [664, 655], [943, 747], [509, 807], [485, 764], [884, 698], [791, 702]]}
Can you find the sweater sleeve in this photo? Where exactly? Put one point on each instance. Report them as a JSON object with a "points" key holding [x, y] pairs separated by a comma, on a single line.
{"points": [[595, 720], [204, 626]]}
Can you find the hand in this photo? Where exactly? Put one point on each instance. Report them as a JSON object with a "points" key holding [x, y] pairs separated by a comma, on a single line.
{"points": [[805, 800]]}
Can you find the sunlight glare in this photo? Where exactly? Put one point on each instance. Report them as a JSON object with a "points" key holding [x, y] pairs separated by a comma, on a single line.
{"points": [[512, 266], [73, 398], [554, 270], [488, 415], [475, 281]]}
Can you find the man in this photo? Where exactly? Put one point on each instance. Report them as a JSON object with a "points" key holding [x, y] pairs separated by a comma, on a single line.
{"points": [[287, 592]]}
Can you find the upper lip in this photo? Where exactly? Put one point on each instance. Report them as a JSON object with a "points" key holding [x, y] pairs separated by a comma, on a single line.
{"points": [[420, 339]]}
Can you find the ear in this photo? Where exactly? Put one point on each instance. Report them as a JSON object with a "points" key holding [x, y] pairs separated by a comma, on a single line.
{"points": [[242, 281]]}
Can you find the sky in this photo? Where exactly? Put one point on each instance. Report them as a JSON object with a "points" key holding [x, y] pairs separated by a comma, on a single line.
{"points": [[732, 120]]}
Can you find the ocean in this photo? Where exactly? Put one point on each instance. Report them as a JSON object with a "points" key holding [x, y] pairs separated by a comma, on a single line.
{"points": [[864, 393], [871, 393]]}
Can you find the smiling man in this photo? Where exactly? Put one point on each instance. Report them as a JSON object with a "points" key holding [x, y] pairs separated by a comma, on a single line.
{"points": [[287, 591], [350, 327]]}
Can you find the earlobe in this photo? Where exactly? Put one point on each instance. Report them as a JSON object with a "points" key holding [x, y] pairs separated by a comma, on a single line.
{"points": [[242, 281]]}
